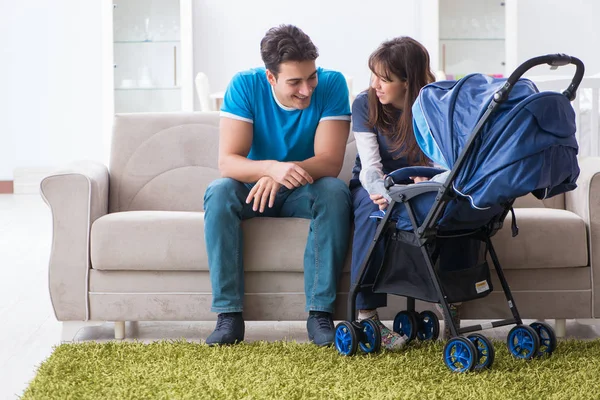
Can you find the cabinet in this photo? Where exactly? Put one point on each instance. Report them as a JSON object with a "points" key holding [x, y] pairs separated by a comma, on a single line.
{"points": [[152, 46], [472, 37]]}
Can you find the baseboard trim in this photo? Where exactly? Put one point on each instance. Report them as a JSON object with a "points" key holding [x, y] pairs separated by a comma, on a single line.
{"points": [[7, 187]]}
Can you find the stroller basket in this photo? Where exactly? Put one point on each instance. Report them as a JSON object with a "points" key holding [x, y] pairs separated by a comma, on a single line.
{"points": [[460, 264]]}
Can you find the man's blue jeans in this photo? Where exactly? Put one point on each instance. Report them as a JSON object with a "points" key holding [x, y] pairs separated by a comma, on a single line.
{"points": [[326, 203]]}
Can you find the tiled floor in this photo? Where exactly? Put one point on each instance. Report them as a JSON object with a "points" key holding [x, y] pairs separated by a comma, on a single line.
{"points": [[30, 329]]}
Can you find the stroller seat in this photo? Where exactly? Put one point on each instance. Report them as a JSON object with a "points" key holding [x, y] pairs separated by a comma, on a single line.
{"points": [[527, 146]]}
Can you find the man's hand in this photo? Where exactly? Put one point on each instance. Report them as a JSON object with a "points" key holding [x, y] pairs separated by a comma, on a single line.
{"points": [[289, 174], [418, 179], [263, 193], [379, 200]]}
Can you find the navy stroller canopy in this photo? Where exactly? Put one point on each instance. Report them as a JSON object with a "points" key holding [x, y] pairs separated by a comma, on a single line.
{"points": [[527, 145]]}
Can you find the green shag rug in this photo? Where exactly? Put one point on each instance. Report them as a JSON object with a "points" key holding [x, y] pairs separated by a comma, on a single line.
{"points": [[290, 370]]}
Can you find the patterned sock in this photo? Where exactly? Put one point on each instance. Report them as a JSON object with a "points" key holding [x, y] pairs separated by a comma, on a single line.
{"points": [[390, 340], [366, 314]]}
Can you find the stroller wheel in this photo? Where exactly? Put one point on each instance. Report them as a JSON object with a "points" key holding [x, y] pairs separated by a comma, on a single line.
{"points": [[405, 323], [523, 342], [460, 354], [485, 351], [371, 336], [547, 338], [429, 326], [346, 341]]}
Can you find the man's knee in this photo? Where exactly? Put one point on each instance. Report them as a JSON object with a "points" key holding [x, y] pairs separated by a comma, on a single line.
{"points": [[222, 191], [333, 189]]}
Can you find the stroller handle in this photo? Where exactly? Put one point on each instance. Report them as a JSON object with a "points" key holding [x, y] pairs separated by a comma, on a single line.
{"points": [[554, 60]]}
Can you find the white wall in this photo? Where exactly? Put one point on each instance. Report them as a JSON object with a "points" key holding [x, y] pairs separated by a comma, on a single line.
{"points": [[52, 83], [559, 26], [227, 33], [56, 79]]}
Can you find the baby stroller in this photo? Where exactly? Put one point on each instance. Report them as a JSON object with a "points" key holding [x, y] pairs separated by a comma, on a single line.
{"points": [[498, 139]]}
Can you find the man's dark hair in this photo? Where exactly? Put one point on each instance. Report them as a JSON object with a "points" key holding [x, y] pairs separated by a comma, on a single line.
{"points": [[286, 43]]}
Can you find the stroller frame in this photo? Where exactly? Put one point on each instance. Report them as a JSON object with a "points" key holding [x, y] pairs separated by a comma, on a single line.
{"points": [[427, 232]]}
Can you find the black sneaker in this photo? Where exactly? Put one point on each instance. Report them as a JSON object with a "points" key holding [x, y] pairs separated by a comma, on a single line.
{"points": [[230, 329], [320, 328]]}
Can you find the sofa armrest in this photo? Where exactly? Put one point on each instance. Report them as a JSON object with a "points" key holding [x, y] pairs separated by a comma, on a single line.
{"points": [[585, 202], [77, 195]]}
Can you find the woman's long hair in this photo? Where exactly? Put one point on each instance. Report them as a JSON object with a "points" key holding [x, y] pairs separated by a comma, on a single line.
{"points": [[408, 60]]}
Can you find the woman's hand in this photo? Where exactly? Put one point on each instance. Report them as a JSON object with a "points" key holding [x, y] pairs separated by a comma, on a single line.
{"points": [[263, 193], [418, 179], [379, 200]]}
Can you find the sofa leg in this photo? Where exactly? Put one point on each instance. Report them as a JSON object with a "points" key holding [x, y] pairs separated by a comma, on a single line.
{"points": [[119, 330], [71, 328], [560, 327]]}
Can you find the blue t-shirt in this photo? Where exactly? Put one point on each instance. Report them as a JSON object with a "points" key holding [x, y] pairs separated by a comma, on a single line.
{"points": [[282, 133], [360, 117]]}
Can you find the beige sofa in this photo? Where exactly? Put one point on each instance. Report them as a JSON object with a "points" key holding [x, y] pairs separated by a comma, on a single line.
{"points": [[128, 242]]}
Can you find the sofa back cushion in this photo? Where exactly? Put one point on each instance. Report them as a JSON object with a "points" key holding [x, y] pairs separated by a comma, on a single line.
{"points": [[349, 159], [530, 201], [165, 161]]}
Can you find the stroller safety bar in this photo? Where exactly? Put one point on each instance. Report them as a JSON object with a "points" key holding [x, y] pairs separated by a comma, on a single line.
{"points": [[402, 176], [406, 192]]}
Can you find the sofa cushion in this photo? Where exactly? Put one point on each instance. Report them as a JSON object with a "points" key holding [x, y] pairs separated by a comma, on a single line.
{"points": [[548, 238], [174, 240]]}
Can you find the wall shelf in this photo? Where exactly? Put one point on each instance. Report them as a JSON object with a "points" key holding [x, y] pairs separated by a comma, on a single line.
{"points": [[152, 56], [471, 37]]}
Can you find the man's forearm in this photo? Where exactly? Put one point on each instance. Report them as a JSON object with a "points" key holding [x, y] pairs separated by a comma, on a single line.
{"points": [[243, 169], [321, 166]]}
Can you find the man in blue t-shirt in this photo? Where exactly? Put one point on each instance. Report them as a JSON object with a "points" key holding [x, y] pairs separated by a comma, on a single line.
{"points": [[282, 141]]}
